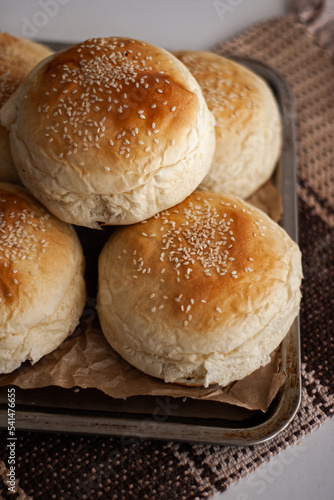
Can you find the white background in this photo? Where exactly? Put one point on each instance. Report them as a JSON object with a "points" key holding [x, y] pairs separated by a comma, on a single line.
{"points": [[305, 472], [173, 24]]}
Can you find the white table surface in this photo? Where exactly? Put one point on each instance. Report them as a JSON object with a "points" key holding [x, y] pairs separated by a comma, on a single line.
{"points": [[304, 472]]}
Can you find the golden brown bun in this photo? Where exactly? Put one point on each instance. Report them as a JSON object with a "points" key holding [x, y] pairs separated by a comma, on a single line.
{"points": [[42, 289], [17, 58], [201, 293], [248, 123], [110, 131]]}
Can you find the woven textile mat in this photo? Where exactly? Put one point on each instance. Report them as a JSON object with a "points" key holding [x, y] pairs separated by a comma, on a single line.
{"points": [[75, 467]]}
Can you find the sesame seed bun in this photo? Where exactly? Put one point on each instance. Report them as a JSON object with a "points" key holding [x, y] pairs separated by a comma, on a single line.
{"points": [[201, 293], [17, 58], [110, 131], [248, 123], [42, 289]]}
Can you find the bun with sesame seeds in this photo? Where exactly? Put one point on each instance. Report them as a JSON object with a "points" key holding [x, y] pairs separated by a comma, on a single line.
{"points": [[110, 131], [201, 293], [42, 288], [18, 57], [248, 123]]}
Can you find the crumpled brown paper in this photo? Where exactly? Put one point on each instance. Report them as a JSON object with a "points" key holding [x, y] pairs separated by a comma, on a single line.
{"points": [[268, 199], [86, 359]]}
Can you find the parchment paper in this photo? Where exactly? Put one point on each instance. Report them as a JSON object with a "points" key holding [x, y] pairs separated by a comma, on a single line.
{"points": [[86, 360]]}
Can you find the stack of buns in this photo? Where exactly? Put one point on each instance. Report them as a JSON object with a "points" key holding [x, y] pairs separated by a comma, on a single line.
{"points": [[197, 287]]}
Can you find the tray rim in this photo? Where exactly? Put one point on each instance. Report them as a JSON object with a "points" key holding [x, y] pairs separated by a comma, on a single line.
{"points": [[61, 421]]}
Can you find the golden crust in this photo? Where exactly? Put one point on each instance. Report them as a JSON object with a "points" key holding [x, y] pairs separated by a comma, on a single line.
{"points": [[248, 127], [110, 117], [230, 90], [94, 98], [200, 279], [18, 57], [39, 256], [196, 273]]}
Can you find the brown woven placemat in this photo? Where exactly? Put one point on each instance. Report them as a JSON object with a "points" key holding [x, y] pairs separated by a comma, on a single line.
{"points": [[74, 467]]}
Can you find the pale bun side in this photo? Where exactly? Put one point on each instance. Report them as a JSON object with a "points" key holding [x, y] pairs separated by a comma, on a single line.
{"points": [[42, 287], [31, 345], [110, 131], [18, 57], [248, 123], [194, 314]]}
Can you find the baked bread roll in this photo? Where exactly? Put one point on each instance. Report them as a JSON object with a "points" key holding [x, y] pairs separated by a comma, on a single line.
{"points": [[42, 288], [248, 123], [17, 58], [110, 131], [201, 293]]}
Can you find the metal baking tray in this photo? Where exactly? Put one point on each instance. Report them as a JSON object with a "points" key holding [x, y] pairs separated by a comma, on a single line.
{"points": [[89, 411]]}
